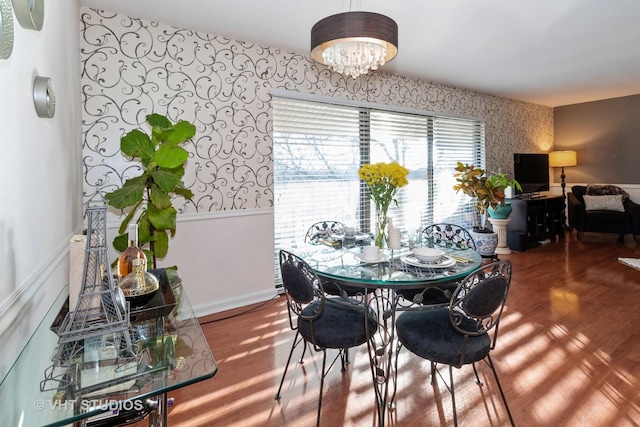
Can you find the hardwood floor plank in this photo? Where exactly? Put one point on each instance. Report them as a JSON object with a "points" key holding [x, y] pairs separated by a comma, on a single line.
{"points": [[568, 355]]}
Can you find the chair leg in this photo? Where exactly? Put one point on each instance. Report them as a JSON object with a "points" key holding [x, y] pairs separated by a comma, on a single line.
{"points": [[475, 371], [453, 396], [304, 351], [324, 362], [433, 373], [344, 358], [296, 341], [504, 398]]}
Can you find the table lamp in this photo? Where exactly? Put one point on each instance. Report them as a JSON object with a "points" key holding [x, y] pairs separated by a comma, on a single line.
{"points": [[561, 159]]}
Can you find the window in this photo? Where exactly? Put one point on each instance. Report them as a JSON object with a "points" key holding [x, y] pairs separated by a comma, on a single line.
{"points": [[318, 148]]}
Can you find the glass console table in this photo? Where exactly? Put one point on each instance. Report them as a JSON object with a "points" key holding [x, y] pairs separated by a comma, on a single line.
{"points": [[170, 351]]}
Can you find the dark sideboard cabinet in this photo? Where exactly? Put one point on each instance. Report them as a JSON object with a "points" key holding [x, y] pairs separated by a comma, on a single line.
{"points": [[533, 221]]}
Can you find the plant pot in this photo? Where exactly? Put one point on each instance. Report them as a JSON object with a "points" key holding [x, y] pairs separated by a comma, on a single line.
{"points": [[486, 241], [501, 211]]}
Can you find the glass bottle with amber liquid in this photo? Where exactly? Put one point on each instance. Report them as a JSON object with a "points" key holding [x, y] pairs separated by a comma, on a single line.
{"points": [[125, 261]]}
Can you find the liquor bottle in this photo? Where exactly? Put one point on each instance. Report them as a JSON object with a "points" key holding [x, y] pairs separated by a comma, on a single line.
{"points": [[125, 261], [139, 285]]}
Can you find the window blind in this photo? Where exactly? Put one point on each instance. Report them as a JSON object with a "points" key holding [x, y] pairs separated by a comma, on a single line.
{"points": [[454, 140], [319, 147]]}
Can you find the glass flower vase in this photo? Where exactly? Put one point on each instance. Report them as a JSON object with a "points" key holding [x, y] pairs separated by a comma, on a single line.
{"points": [[380, 238]]}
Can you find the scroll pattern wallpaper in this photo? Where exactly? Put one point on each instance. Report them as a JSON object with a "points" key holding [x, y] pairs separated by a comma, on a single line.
{"points": [[132, 68]]}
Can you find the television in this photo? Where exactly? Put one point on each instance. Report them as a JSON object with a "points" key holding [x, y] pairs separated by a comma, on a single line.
{"points": [[532, 172]]}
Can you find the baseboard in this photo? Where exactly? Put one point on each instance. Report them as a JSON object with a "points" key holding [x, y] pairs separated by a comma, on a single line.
{"points": [[217, 307]]}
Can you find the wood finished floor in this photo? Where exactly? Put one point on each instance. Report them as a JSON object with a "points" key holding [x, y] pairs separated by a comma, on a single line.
{"points": [[568, 355]]}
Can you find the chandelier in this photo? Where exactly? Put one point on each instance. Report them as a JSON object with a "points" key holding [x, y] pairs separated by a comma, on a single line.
{"points": [[353, 43]]}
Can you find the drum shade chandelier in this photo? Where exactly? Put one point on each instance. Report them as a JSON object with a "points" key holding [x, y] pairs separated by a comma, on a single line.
{"points": [[353, 43]]}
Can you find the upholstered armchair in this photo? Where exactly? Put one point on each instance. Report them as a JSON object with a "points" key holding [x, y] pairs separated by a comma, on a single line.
{"points": [[603, 209]]}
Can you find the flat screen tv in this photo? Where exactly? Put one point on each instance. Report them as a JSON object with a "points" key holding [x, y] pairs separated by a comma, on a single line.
{"points": [[532, 172]]}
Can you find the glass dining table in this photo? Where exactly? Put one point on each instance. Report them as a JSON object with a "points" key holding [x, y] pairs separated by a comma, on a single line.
{"points": [[393, 282]]}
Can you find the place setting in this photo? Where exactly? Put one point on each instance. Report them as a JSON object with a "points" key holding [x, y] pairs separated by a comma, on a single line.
{"points": [[370, 255]]}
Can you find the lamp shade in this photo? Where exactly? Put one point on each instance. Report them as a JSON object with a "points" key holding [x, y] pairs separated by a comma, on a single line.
{"points": [[354, 42], [564, 158]]}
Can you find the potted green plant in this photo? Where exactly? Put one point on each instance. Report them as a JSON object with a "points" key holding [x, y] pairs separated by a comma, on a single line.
{"points": [[474, 182], [500, 182], [162, 160]]}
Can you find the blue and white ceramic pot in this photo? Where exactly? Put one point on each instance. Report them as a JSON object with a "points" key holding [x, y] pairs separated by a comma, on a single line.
{"points": [[486, 241]]}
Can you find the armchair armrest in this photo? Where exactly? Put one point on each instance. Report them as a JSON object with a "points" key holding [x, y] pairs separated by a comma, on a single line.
{"points": [[633, 209], [577, 215]]}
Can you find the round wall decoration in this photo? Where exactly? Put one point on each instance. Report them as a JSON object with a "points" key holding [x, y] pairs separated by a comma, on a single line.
{"points": [[6, 29], [29, 13], [44, 97]]}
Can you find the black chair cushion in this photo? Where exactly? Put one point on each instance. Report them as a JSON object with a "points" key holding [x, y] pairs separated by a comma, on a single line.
{"points": [[484, 299], [429, 334], [296, 283], [339, 325], [608, 217]]}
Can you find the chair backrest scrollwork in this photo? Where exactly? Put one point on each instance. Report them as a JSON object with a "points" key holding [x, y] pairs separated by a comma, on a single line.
{"points": [[323, 229], [447, 235]]}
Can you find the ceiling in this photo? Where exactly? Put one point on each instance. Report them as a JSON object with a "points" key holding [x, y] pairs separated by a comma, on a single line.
{"points": [[547, 52]]}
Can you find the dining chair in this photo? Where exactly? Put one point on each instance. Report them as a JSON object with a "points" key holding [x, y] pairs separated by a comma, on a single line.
{"points": [[446, 236], [463, 333], [322, 322], [317, 234]]}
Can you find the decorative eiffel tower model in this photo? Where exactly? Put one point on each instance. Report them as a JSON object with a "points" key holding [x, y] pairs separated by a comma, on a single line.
{"points": [[101, 310]]}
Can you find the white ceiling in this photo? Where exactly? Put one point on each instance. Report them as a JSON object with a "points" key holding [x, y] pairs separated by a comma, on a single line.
{"points": [[549, 52]]}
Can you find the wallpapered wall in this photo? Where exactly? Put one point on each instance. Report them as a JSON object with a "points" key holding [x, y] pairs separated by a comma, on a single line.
{"points": [[132, 67]]}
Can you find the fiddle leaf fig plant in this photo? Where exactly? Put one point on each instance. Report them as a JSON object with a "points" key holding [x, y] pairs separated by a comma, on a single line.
{"points": [[162, 160]]}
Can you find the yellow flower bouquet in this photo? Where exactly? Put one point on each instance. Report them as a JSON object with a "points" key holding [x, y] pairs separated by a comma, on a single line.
{"points": [[383, 180]]}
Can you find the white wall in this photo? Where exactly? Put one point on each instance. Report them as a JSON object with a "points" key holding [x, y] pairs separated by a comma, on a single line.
{"points": [[225, 259], [40, 174]]}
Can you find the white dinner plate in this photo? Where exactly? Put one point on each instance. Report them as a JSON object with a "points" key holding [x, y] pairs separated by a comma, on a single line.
{"points": [[361, 258], [444, 262]]}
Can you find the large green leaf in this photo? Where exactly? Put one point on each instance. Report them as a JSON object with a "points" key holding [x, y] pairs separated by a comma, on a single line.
{"points": [[162, 219], [158, 120], [121, 242], [184, 192], [159, 198], [161, 244], [137, 144], [170, 155], [144, 229], [131, 193], [127, 219], [181, 132], [166, 180]]}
